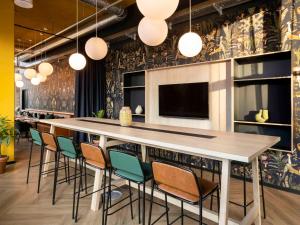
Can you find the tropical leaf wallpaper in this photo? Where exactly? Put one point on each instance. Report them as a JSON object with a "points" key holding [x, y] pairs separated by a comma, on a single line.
{"points": [[256, 28]]}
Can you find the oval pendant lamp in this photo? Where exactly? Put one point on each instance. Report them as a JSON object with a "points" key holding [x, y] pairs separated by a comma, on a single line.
{"points": [[77, 61], [96, 48], [190, 43]]}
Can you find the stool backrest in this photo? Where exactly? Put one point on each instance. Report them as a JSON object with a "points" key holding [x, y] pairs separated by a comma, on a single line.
{"points": [[36, 136], [67, 146], [49, 140], [93, 153], [126, 162], [175, 177]]}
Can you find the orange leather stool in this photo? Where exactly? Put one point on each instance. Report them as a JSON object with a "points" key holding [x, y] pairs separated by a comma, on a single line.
{"points": [[180, 183]]}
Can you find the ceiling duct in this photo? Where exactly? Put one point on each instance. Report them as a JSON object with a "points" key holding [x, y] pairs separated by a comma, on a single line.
{"points": [[102, 4], [86, 25]]}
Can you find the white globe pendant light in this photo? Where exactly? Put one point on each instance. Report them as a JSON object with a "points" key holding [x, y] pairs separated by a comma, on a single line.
{"points": [[35, 81], [96, 48], [42, 77], [157, 9], [45, 68], [152, 32], [18, 77], [19, 83], [29, 73], [27, 4], [190, 43], [77, 61]]}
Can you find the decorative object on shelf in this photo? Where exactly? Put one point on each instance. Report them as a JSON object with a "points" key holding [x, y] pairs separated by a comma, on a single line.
{"points": [[125, 116], [262, 116], [77, 61], [190, 43], [99, 114], [152, 32], [26, 4], [157, 9], [139, 109], [96, 48], [45, 68], [19, 83], [296, 73], [6, 134], [29, 73]]}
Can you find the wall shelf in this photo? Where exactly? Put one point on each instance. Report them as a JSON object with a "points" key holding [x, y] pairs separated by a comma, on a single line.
{"points": [[262, 124], [132, 87], [143, 115], [261, 79]]}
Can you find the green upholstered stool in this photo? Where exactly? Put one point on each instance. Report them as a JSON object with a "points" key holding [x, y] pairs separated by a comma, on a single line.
{"points": [[129, 167], [69, 150]]}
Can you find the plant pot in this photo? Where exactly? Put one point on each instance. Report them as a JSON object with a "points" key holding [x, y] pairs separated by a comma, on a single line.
{"points": [[3, 161]]}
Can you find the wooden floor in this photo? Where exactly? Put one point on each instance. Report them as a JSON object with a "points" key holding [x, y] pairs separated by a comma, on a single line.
{"points": [[21, 205]]}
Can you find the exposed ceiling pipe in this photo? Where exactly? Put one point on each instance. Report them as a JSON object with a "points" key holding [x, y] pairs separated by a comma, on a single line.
{"points": [[106, 5], [89, 26]]}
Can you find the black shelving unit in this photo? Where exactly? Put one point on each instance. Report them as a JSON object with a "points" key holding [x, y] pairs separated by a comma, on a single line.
{"points": [[134, 93], [264, 82]]}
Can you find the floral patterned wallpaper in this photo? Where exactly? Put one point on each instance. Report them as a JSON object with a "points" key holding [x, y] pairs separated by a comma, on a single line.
{"points": [[259, 27]]}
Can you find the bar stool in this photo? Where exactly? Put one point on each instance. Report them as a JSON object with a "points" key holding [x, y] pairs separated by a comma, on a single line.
{"points": [[129, 167], [68, 149], [95, 157], [182, 184]]}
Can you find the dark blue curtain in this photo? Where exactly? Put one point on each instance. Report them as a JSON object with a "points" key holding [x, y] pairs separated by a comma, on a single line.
{"points": [[90, 93]]}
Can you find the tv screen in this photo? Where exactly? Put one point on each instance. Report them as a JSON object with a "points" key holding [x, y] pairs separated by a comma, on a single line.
{"points": [[184, 100]]}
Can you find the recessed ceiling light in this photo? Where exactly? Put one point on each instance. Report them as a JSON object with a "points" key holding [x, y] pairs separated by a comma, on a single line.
{"points": [[45, 28], [27, 4]]}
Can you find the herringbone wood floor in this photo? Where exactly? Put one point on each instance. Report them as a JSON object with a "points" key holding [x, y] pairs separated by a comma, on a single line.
{"points": [[21, 205]]}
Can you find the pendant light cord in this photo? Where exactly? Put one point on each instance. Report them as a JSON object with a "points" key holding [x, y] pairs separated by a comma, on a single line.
{"points": [[96, 18], [77, 24], [190, 15]]}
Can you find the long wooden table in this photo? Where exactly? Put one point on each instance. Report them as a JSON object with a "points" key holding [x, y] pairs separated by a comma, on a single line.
{"points": [[217, 145]]}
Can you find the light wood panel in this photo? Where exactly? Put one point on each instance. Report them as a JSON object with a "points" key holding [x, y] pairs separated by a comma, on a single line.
{"points": [[20, 205], [215, 73]]}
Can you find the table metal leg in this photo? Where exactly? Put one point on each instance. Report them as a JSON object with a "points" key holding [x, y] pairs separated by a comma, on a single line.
{"points": [[48, 154], [225, 184], [144, 152], [98, 178], [256, 191]]}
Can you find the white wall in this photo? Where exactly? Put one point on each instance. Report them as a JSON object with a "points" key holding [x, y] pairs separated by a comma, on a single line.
{"points": [[219, 93]]}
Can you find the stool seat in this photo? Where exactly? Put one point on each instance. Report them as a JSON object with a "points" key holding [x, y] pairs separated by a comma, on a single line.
{"points": [[207, 188], [146, 167]]}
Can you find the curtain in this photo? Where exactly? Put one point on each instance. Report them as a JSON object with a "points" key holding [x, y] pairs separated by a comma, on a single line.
{"points": [[90, 84]]}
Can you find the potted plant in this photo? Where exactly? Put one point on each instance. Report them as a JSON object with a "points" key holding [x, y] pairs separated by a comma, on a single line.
{"points": [[6, 133]]}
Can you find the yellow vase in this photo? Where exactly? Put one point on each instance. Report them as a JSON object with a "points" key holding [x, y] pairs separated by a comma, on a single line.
{"points": [[265, 114], [125, 116], [259, 117]]}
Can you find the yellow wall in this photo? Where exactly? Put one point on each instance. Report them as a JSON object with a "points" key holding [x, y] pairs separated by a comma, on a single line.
{"points": [[7, 86]]}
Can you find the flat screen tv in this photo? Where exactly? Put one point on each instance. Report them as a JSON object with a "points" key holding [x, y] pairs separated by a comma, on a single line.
{"points": [[184, 100]]}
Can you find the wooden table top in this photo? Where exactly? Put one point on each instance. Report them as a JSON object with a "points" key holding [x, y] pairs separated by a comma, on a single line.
{"points": [[199, 142]]}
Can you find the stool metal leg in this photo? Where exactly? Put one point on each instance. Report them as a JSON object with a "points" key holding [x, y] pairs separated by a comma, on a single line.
{"points": [[182, 219], [66, 173], [57, 157], [144, 203], [245, 191], [262, 189], [68, 161], [85, 177], [139, 203], [40, 168], [79, 188], [104, 199], [74, 190], [200, 211], [167, 212], [109, 195], [29, 162], [130, 197]]}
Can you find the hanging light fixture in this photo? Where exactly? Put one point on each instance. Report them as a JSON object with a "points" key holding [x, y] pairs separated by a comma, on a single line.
{"points": [[157, 9], [18, 77], [77, 61], [96, 48], [27, 4], [42, 77], [190, 43], [29, 73], [35, 81], [45, 68], [152, 32], [19, 83]]}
